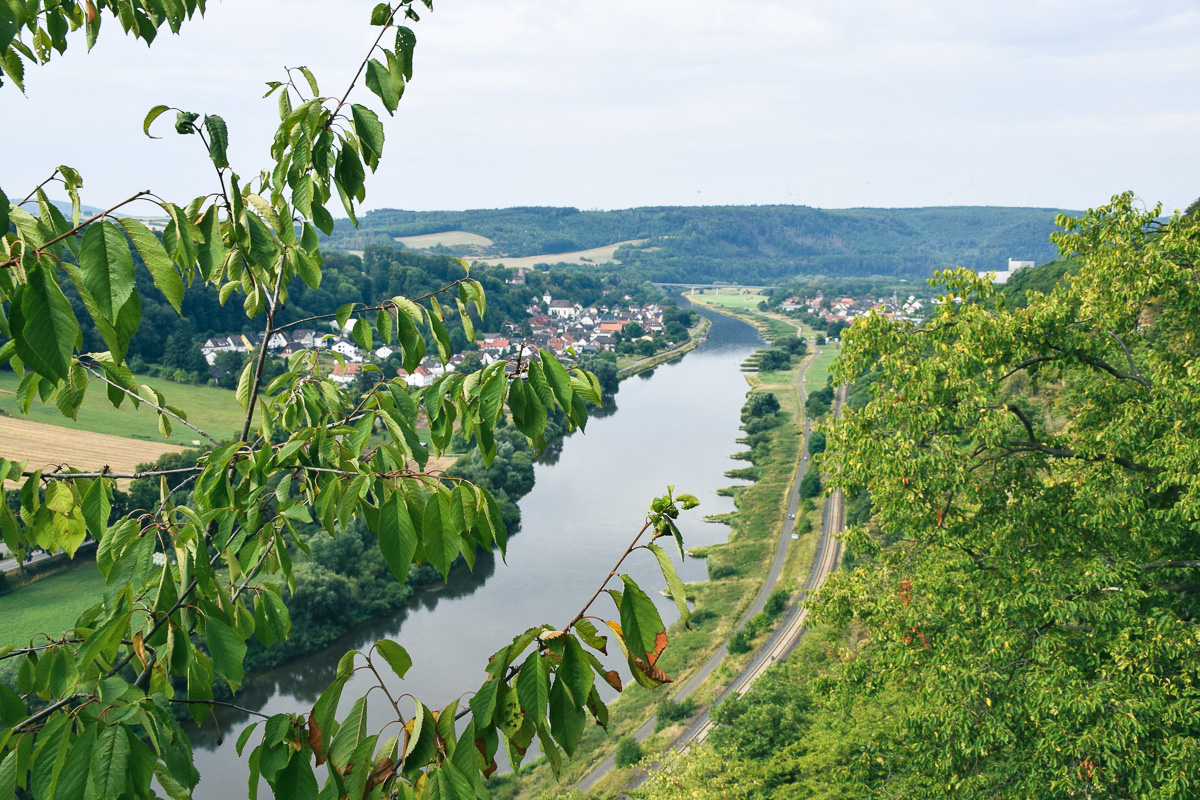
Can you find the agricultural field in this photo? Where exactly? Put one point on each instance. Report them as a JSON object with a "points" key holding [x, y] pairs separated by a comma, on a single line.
{"points": [[455, 240], [211, 409], [43, 445], [596, 255]]}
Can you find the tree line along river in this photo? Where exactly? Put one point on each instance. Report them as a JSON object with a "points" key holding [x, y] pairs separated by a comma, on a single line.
{"points": [[674, 426]]}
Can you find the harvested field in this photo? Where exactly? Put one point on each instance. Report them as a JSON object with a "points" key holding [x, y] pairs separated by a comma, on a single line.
{"points": [[597, 255], [451, 239], [45, 445]]}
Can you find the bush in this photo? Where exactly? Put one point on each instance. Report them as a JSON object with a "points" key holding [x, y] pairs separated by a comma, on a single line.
{"points": [[816, 443], [669, 712], [718, 571], [739, 643], [810, 484], [701, 616], [777, 603], [629, 751]]}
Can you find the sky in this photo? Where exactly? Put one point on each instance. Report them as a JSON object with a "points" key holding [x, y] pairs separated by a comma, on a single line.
{"points": [[661, 102]]}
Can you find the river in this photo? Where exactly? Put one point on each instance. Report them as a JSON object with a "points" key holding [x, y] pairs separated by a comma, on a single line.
{"points": [[676, 425]]}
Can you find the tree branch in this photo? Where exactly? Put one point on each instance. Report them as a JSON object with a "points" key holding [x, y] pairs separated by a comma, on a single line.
{"points": [[38, 250], [141, 399]]}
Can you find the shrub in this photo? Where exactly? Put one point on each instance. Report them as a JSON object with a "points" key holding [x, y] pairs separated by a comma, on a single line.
{"points": [[670, 712], [701, 616], [777, 603], [739, 643], [629, 751]]}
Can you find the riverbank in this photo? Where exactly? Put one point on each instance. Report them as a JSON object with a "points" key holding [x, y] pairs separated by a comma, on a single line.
{"points": [[696, 337]]}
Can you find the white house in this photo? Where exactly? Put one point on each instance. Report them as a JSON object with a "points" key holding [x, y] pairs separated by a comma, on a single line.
{"points": [[384, 352], [347, 349]]}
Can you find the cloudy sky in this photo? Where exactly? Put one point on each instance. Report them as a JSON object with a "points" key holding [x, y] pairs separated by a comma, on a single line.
{"points": [[655, 102]]}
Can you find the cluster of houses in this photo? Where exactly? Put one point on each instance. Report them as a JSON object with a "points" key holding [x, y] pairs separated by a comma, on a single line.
{"points": [[562, 326], [845, 309]]}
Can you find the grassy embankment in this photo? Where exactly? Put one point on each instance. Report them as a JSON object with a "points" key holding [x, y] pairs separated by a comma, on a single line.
{"points": [[739, 567]]}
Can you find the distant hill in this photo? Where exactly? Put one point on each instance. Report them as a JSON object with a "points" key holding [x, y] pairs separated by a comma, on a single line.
{"points": [[728, 243]]}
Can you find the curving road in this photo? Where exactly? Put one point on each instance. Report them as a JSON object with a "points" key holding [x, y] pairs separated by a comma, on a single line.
{"points": [[789, 631]]}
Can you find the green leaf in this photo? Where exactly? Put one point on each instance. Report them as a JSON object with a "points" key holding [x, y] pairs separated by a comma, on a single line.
{"points": [[590, 636], [43, 325], [72, 782], [107, 267], [110, 760], [296, 781], [533, 685], [381, 14], [228, 650], [395, 655], [397, 536], [95, 508], [245, 382], [352, 731], [165, 276], [645, 634], [575, 671], [566, 718], [361, 333], [439, 537], [370, 134], [312, 81], [152, 115], [218, 140], [379, 81], [674, 584]]}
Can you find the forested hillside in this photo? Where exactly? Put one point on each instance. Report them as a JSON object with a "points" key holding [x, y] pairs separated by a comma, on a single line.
{"points": [[739, 243]]}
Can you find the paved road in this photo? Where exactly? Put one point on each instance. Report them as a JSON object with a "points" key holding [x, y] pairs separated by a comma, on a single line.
{"points": [[785, 538]]}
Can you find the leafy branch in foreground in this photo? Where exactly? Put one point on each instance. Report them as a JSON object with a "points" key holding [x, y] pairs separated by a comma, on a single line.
{"points": [[92, 713]]}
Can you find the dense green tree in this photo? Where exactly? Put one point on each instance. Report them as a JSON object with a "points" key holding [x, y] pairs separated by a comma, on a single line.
{"points": [[773, 359], [1034, 470], [761, 404]]}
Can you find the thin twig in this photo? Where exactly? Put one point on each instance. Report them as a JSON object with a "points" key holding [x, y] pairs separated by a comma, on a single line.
{"points": [[141, 399], [38, 251]]}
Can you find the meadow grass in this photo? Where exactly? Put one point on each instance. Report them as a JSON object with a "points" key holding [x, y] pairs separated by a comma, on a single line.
{"points": [[51, 604], [209, 408]]}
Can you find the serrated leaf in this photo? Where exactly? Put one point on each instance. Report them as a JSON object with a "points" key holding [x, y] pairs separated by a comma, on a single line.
{"points": [[397, 536], [674, 584], [165, 276], [107, 267], [43, 325], [228, 650]]}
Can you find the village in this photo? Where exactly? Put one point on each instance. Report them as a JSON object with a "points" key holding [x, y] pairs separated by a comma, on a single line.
{"points": [[843, 310], [563, 327]]}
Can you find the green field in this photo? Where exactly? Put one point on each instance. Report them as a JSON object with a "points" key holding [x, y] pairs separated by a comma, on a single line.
{"points": [[213, 410], [732, 299], [818, 373], [51, 605]]}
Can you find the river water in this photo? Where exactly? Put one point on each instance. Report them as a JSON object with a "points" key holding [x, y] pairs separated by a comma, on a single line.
{"points": [[677, 425]]}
